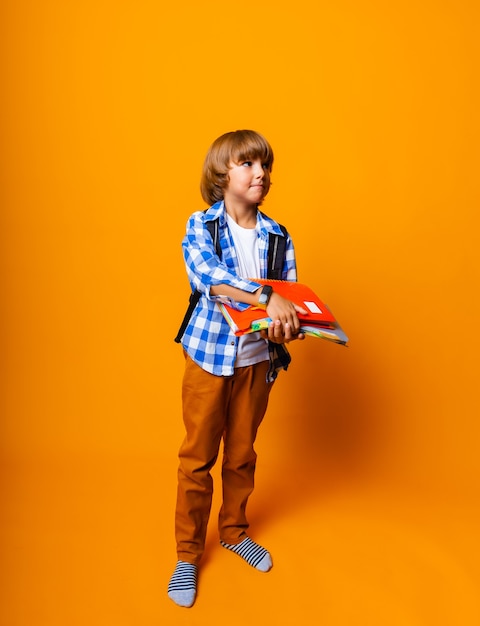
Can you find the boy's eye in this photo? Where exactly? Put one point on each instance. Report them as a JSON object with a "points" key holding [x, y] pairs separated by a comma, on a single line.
{"points": [[265, 166], [247, 163]]}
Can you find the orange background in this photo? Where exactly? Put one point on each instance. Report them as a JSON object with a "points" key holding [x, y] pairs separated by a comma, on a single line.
{"points": [[372, 110]]}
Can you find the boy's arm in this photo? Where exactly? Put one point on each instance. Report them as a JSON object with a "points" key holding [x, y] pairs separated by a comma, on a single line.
{"points": [[204, 268], [283, 312]]}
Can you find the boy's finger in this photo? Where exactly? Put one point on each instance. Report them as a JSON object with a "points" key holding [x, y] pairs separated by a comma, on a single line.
{"points": [[300, 309]]}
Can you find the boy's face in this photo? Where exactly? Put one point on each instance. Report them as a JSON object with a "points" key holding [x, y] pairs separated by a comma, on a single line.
{"points": [[248, 183]]}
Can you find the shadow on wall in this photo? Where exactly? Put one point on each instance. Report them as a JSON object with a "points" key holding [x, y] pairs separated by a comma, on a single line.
{"points": [[328, 424]]}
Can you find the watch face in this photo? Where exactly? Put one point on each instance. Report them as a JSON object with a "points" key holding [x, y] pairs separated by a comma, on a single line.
{"points": [[265, 295]]}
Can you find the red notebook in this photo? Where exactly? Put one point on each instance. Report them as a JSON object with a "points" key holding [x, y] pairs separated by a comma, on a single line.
{"points": [[254, 318]]}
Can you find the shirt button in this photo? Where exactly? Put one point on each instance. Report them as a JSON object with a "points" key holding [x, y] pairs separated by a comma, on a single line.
{"points": [[232, 343]]}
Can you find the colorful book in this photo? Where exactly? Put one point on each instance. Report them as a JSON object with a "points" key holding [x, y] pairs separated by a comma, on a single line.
{"points": [[335, 334], [319, 321]]}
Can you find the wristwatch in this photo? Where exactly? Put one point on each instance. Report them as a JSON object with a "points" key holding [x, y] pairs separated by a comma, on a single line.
{"points": [[264, 296]]}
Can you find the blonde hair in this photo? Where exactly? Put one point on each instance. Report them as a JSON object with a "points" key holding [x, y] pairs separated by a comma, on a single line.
{"points": [[236, 146]]}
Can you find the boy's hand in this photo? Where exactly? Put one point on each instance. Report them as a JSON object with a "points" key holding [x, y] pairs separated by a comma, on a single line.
{"points": [[285, 325], [279, 334]]}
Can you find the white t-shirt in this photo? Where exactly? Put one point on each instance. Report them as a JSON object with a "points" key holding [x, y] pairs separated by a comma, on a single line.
{"points": [[251, 348]]}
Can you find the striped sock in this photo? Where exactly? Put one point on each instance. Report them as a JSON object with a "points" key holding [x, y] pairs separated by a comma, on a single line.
{"points": [[252, 553], [182, 587]]}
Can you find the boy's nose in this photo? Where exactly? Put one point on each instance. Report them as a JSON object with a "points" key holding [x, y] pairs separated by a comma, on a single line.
{"points": [[259, 170]]}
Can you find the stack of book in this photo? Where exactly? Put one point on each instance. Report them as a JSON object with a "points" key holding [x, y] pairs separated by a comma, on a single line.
{"points": [[319, 321]]}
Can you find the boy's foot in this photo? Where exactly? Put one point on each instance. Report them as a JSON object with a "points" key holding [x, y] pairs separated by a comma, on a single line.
{"points": [[252, 553], [182, 587]]}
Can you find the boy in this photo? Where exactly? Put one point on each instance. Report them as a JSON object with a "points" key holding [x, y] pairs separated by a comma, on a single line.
{"points": [[227, 379]]}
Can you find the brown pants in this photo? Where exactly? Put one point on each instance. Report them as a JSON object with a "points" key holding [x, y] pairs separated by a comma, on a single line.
{"points": [[214, 407]]}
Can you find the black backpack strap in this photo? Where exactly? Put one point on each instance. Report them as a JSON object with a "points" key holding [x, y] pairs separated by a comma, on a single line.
{"points": [[192, 303], [195, 295], [213, 230], [277, 245]]}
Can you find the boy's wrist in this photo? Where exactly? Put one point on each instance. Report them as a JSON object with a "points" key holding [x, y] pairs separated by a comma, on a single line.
{"points": [[264, 296]]}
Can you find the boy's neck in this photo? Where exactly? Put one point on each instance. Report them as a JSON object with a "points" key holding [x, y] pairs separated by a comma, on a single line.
{"points": [[244, 215]]}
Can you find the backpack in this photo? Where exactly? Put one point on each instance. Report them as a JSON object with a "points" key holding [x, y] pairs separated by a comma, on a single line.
{"points": [[275, 258]]}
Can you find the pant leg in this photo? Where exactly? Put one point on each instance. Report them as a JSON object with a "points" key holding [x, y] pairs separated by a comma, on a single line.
{"points": [[205, 403], [248, 404]]}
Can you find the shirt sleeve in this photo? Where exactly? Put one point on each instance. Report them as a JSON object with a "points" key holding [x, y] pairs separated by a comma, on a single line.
{"points": [[204, 268]]}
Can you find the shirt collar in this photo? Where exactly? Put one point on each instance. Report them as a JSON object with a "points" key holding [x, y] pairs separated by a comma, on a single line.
{"points": [[217, 211]]}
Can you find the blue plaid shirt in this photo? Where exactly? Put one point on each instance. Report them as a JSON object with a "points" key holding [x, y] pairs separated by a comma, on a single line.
{"points": [[208, 339]]}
